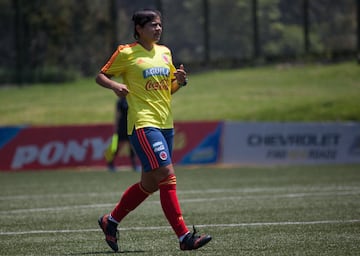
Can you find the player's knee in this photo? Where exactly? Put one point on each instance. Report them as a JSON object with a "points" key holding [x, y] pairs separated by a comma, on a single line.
{"points": [[168, 183]]}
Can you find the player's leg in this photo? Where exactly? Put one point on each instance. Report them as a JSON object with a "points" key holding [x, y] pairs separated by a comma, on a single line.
{"points": [[136, 193], [163, 177], [158, 173], [131, 198]]}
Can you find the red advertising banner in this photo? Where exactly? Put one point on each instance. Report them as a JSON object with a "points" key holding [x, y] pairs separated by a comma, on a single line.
{"points": [[36, 148]]}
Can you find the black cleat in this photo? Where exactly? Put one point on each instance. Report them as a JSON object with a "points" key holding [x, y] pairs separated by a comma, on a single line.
{"points": [[193, 241], [110, 230]]}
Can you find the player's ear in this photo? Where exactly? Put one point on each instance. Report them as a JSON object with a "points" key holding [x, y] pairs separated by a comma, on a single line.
{"points": [[138, 29]]}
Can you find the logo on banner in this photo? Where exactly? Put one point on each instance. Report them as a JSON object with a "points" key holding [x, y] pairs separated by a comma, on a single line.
{"points": [[297, 146], [58, 153], [355, 147]]}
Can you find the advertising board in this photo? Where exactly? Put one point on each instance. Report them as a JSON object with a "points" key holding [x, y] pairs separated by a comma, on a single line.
{"points": [[47, 147], [291, 143]]}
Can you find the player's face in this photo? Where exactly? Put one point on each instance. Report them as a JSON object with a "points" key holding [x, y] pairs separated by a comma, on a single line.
{"points": [[151, 32]]}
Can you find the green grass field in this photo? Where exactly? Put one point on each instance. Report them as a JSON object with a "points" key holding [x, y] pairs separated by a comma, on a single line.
{"points": [[247, 210], [275, 93], [308, 210]]}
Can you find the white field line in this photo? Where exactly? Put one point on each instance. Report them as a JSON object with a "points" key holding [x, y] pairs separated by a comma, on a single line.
{"points": [[231, 225], [194, 200], [180, 192]]}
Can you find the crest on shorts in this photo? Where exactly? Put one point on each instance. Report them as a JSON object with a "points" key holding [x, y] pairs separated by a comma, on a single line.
{"points": [[163, 156]]}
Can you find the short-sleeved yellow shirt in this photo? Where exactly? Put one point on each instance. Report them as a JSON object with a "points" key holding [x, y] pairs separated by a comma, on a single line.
{"points": [[148, 76]]}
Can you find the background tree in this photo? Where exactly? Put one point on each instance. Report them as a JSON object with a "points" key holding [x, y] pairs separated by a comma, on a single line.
{"points": [[55, 41]]}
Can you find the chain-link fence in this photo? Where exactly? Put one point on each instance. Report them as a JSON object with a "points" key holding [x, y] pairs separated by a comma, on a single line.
{"points": [[80, 36]]}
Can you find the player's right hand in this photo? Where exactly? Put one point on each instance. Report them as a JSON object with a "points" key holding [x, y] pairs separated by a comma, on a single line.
{"points": [[120, 90]]}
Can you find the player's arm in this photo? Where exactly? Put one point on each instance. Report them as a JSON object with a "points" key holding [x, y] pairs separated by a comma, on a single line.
{"points": [[105, 81], [174, 86]]}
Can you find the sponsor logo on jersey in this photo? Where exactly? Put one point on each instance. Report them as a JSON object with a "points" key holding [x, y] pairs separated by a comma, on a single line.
{"points": [[152, 85], [156, 71]]}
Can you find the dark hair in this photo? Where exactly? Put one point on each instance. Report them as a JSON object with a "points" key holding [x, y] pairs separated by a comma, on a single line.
{"points": [[142, 17]]}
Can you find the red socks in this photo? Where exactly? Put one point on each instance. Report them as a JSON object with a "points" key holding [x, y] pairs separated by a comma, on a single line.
{"points": [[131, 198], [170, 205], [136, 194]]}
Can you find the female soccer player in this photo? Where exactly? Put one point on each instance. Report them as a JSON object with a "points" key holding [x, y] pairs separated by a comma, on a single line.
{"points": [[150, 79]]}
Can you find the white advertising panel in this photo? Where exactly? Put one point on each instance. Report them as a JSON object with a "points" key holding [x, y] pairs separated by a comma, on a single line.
{"points": [[291, 143]]}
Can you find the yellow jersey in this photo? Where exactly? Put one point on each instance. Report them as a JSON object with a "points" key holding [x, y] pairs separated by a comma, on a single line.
{"points": [[148, 76]]}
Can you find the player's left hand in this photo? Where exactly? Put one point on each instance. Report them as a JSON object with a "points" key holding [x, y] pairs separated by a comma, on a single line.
{"points": [[180, 75]]}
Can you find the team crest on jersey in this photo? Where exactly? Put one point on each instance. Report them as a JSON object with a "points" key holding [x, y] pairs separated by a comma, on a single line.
{"points": [[163, 155], [165, 58], [140, 61]]}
